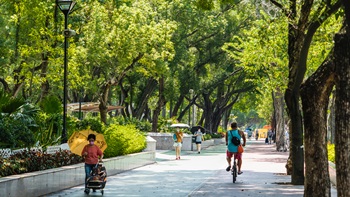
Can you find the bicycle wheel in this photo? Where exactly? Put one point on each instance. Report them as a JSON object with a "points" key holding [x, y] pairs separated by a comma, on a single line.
{"points": [[234, 173]]}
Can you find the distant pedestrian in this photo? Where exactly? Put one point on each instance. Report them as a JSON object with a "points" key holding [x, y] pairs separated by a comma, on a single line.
{"points": [[256, 134], [269, 135], [178, 137], [274, 136], [199, 139]]}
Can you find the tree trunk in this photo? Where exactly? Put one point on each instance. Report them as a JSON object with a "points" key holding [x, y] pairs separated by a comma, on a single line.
{"points": [[296, 137], [160, 104], [103, 103], [279, 108], [315, 93], [342, 111], [146, 94], [178, 105]]}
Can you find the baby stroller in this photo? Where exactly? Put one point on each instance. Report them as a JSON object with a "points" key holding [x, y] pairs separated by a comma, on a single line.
{"points": [[97, 180]]}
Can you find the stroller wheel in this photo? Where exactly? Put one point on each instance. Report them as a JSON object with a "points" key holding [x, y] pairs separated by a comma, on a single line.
{"points": [[87, 191]]}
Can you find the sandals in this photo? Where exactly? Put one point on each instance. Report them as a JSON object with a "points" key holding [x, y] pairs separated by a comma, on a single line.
{"points": [[239, 173]]}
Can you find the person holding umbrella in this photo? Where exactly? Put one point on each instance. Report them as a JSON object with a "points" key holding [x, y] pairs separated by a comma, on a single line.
{"points": [[91, 154], [199, 138], [178, 137]]}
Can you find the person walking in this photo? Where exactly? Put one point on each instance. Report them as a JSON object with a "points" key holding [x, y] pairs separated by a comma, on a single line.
{"points": [[178, 137], [232, 149], [91, 154], [269, 135], [199, 139]]}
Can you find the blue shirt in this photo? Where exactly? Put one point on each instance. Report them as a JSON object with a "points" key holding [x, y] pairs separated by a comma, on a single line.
{"points": [[231, 147]]}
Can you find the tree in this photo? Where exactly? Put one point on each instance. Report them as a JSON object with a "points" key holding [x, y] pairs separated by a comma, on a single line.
{"points": [[342, 110], [304, 20]]}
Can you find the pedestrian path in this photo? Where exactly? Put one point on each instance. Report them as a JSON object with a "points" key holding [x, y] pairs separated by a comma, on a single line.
{"points": [[203, 175]]}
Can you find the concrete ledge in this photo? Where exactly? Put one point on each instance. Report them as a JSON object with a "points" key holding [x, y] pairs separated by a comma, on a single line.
{"points": [[151, 144], [218, 141], [207, 143], [48, 181], [165, 141], [332, 173]]}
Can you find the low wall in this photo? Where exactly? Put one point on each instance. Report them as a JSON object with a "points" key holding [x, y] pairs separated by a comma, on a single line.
{"points": [[48, 181], [218, 141], [165, 141]]}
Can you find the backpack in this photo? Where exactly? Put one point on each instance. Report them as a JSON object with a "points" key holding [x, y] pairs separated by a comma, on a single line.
{"points": [[235, 141], [174, 138]]}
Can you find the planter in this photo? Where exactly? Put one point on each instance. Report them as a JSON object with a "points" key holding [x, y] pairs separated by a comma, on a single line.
{"points": [[41, 183]]}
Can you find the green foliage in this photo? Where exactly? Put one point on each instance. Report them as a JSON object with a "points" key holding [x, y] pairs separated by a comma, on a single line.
{"points": [[331, 152], [49, 129], [164, 125], [123, 139], [30, 161], [216, 135], [51, 105], [143, 126], [93, 123], [17, 122], [207, 137]]}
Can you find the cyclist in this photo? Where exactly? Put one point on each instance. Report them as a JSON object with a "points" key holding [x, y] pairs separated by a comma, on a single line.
{"points": [[232, 150]]}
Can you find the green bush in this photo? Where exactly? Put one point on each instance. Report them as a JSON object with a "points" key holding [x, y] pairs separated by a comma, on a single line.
{"points": [[331, 152], [93, 123], [216, 135], [123, 139], [143, 126], [207, 137]]}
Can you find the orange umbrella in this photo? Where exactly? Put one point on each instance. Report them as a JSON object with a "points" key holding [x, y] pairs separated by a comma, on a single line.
{"points": [[78, 141]]}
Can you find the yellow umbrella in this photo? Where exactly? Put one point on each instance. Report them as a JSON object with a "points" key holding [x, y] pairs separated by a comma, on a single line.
{"points": [[79, 139]]}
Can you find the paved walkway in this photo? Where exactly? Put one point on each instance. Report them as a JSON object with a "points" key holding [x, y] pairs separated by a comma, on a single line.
{"points": [[203, 175]]}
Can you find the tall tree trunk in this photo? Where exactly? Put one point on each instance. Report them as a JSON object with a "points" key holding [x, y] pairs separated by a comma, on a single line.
{"points": [[103, 103], [178, 105], [342, 110], [296, 137], [45, 84], [315, 93], [160, 104], [279, 108], [146, 94]]}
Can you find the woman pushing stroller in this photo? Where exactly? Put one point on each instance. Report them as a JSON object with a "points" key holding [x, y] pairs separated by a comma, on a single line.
{"points": [[92, 154]]}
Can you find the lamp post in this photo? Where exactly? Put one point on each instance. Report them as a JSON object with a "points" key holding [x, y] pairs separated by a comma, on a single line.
{"points": [[191, 92], [66, 7]]}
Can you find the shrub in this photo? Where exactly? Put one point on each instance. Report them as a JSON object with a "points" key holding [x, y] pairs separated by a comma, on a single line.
{"points": [[216, 135], [94, 124], [207, 137], [143, 126], [331, 152], [30, 161], [123, 139]]}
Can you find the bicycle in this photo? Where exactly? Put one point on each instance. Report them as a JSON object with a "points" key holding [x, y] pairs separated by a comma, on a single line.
{"points": [[234, 171]]}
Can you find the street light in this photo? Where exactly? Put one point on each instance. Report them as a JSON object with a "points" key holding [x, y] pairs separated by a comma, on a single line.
{"points": [[66, 6], [191, 92]]}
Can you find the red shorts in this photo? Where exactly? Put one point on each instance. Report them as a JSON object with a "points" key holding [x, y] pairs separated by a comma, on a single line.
{"points": [[237, 156]]}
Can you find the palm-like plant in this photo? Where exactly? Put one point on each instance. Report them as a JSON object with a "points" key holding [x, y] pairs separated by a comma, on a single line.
{"points": [[17, 120]]}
